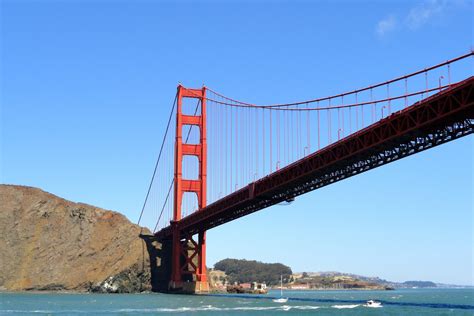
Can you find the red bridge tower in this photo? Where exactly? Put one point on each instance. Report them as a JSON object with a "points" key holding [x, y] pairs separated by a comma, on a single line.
{"points": [[188, 256]]}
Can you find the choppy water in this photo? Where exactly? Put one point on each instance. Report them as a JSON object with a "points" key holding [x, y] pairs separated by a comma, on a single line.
{"points": [[400, 302]]}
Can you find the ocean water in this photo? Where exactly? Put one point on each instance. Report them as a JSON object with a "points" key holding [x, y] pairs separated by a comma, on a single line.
{"points": [[399, 302]]}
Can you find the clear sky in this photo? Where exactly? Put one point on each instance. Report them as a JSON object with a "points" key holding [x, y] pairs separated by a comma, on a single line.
{"points": [[86, 88]]}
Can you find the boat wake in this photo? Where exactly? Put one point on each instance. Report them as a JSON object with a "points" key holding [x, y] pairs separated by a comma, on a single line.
{"points": [[345, 306], [166, 310]]}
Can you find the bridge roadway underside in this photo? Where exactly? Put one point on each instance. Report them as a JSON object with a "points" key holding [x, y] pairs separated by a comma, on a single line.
{"points": [[443, 117]]}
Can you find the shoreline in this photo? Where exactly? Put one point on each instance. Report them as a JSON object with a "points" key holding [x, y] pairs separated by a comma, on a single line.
{"points": [[220, 292]]}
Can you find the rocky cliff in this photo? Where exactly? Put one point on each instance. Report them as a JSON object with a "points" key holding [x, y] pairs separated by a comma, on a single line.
{"points": [[48, 243]]}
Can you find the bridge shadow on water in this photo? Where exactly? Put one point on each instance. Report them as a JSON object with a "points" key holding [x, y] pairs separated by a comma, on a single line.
{"points": [[323, 300]]}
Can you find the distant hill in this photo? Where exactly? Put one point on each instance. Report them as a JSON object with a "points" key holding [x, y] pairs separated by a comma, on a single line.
{"points": [[375, 280], [419, 284], [336, 280], [351, 275], [242, 271]]}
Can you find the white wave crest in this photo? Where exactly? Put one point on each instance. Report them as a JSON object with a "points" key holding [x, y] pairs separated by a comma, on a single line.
{"points": [[345, 306], [168, 310]]}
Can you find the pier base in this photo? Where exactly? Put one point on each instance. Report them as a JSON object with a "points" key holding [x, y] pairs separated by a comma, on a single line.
{"points": [[189, 287], [160, 253]]}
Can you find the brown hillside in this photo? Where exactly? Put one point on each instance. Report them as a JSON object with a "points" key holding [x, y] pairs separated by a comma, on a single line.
{"points": [[48, 243]]}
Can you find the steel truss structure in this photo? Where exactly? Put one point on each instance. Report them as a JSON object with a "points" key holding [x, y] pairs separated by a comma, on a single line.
{"points": [[441, 118]]}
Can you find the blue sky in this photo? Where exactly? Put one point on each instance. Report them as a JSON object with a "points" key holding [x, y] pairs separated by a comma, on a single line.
{"points": [[86, 88]]}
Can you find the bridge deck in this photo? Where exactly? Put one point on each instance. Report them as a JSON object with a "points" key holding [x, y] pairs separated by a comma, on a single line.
{"points": [[440, 118]]}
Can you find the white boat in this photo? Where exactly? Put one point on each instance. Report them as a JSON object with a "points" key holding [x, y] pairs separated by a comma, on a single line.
{"points": [[372, 303], [281, 299]]}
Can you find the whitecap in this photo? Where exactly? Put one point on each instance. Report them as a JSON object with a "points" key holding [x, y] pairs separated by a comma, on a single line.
{"points": [[377, 306], [305, 307], [345, 306], [286, 307], [264, 308], [171, 310]]}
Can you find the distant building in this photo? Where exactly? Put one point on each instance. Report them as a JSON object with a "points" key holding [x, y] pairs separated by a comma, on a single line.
{"points": [[299, 286], [258, 286], [245, 285], [296, 276]]}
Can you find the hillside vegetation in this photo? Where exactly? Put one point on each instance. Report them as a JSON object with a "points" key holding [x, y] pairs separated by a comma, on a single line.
{"points": [[242, 271]]}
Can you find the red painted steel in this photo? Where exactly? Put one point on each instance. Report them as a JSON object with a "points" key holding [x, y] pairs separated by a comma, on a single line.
{"points": [[437, 119], [181, 242], [434, 120]]}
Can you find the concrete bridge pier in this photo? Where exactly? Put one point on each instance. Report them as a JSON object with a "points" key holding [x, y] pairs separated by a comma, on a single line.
{"points": [[161, 253]]}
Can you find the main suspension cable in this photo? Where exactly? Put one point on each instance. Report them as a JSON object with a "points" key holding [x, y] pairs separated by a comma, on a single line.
{"points": [[276, 106], [172, 182], [158, 160]]}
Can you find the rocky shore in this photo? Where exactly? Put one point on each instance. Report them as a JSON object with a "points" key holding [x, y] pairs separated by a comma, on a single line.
{"points": [[51, 244]]}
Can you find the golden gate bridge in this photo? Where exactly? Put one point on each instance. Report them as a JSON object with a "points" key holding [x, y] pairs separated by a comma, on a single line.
{"points": [[221, 158]]}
